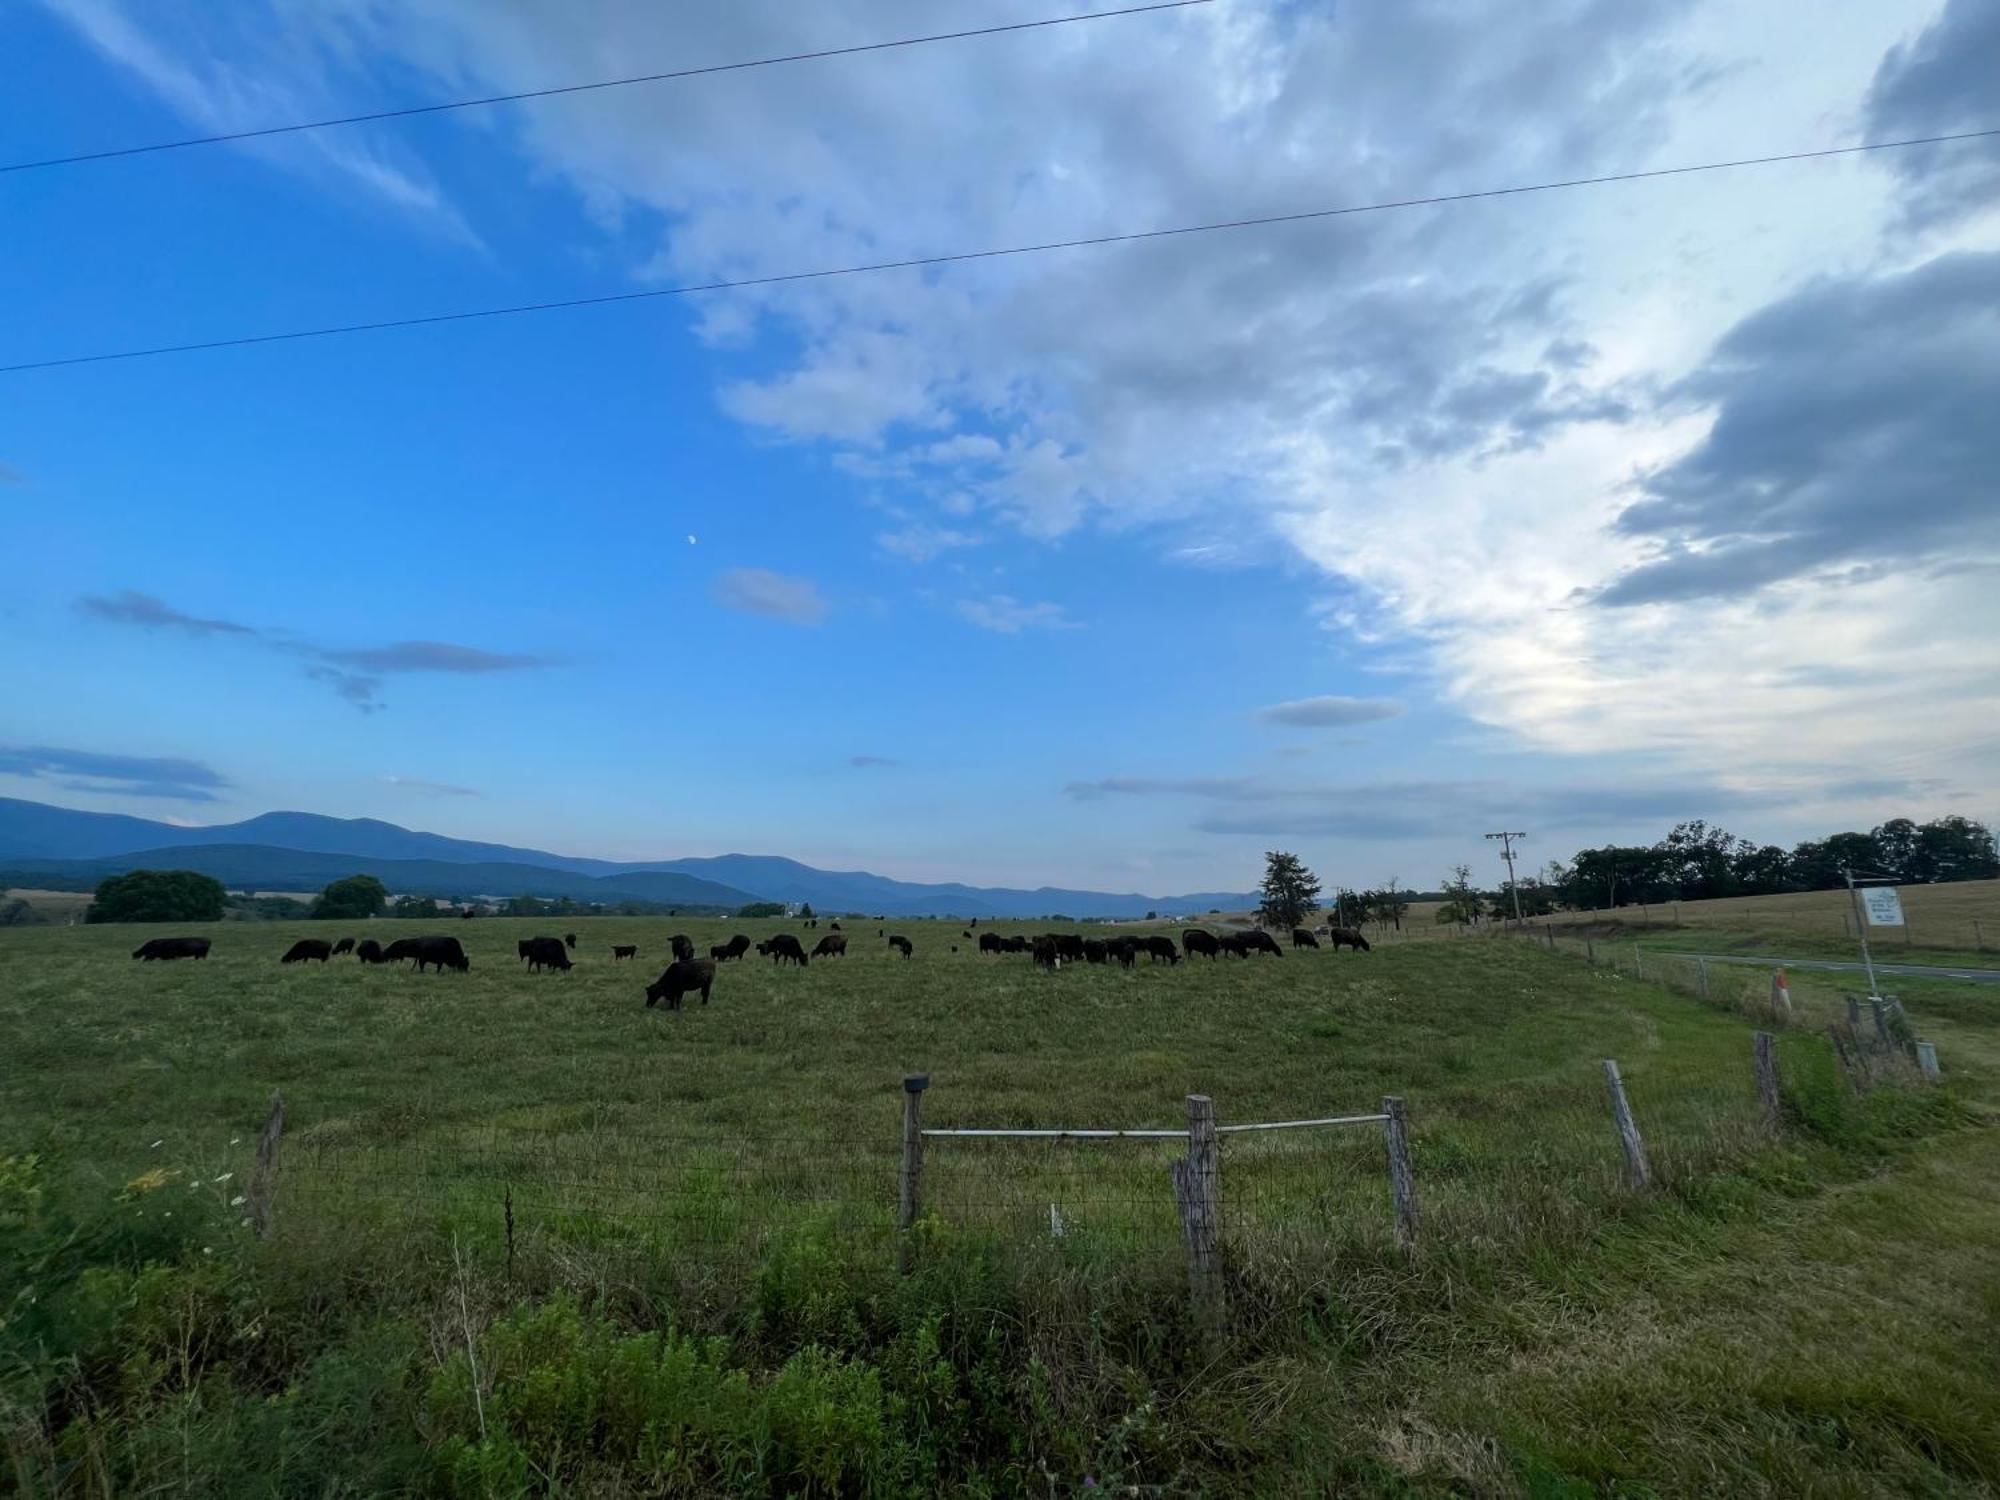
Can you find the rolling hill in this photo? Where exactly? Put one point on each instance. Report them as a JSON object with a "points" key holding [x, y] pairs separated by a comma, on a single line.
{"points": [[303, 851]]}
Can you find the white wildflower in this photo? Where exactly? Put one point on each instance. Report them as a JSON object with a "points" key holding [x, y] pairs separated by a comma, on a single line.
{"points": [[237, 1201], [225, 1177]]}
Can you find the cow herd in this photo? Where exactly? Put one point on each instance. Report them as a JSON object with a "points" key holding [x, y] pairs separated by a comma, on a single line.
{"points": [[687, 975]]}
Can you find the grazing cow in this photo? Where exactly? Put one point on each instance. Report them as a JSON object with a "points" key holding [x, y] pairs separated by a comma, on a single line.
{"points": [[569, 940], [967, 935], [784, 948], [902, 946], [736, 947], [991, 942], [975, 921], [834, 926], [683, 945], [624, 950], [1047, 955], [1256, 940], [1161, 947], [370, 952], [169, 948], [1124, 949], [681, 977], [1070, 946], [444, 952], [831, 946], [526, 947], [306, 949], [546, 953], [1347, 937], [1093, 951], [1194, 941], [345, 945], [1016, 944], [1303, 939]]}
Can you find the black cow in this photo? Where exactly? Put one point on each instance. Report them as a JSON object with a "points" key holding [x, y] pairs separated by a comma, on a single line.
{"points": [[1070, 946], [682, 944], [443, 952], [990, 942], [1093, 951], [1303, 939], [1016, 944], [624, 950], [1047, 955], [902, 945], [736, 947], [681, 977], [370, 952], [1124, 949], [1161, 947], [1194, 941], [546, 953], [831, 946], [1347, 937], [833, 926], [569, 940], [345, 945], [526, 947], [967, 935], [1257, 941], [306, 949], [784, 948], [169, 948]]}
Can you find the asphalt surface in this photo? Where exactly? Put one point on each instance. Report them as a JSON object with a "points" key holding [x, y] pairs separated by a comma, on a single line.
{"points": [[1829, 966]]}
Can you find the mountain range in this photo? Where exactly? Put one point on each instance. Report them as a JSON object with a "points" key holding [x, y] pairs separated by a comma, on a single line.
{"points": [[296, 851]]}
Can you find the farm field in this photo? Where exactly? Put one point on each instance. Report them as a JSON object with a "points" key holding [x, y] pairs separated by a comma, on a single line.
{"points": [[728, 1175]]}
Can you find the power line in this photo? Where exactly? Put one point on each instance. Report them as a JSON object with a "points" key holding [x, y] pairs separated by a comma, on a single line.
{"points": [[585, 88], [607, 299]]}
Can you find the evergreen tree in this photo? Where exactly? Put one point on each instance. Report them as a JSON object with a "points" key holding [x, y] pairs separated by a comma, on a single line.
{"points": [[1291, 891]]}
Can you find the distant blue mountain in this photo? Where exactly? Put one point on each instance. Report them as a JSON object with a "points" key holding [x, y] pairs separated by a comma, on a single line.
{"points": [[35, 834]]}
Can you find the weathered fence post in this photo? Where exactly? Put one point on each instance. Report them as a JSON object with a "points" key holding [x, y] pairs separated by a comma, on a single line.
{"points": [[1550, 929], [910, 1198], [1701, 967], [1765, 1049], [1637, 1172], [1638, 963], [1927, 1061], [263, 1195], [1854, 1013], [1402, 1180], [1590, 952], [1880, 1007], [1198, 1195]]}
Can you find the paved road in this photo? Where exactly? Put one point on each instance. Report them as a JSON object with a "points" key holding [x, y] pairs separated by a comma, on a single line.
{"points": [[1822, 965]]}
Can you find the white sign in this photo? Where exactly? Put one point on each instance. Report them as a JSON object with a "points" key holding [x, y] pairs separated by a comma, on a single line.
{"points": [[1883, 905]]}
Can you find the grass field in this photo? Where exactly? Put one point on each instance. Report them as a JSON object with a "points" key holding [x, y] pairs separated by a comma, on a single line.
{"points": [[702, 1293]]}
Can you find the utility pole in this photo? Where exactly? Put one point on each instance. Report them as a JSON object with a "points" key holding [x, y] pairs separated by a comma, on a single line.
{"points": [[1507, 853]]}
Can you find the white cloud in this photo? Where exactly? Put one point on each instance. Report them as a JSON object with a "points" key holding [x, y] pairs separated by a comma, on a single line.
{"points": [[775, 596], [1007, 615]]}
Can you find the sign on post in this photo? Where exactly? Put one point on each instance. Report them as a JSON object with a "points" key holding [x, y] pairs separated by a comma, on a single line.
{"points": [[1882, 905]]}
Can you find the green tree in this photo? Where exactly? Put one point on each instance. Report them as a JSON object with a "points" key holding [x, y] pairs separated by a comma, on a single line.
{"points": [[761, 909], [806, 911], [351, 899], [1290, 890], [414, 906], [158, 896], [1462, 902], [522, 906]]}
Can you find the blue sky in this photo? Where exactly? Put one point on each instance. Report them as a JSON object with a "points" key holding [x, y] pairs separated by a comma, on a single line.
{"points": [[1571, 514]]}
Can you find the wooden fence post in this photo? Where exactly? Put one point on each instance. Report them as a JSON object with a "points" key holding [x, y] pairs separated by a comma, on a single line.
{"points": [[1637, 1172], [1198, 1196], [1927, 1061], [263, 1194], [1590, 952], [1854, 1013], [1880, 1007], [1765, 1050], [1701, 967], [1402, 1180], [1638, 963], [910, 1198]]}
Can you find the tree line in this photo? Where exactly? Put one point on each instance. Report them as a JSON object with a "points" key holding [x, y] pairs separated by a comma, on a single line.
{"points": [[1700, 862]]}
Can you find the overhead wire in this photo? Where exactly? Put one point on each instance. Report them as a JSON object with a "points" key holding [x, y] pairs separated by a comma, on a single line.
{"points": [[409, 111], [606, 299]]}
